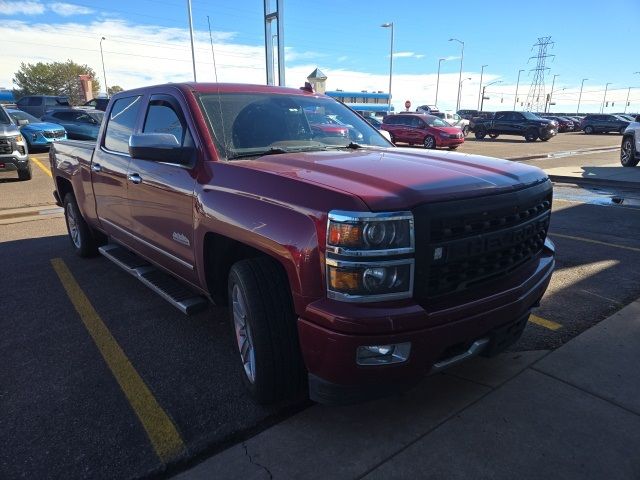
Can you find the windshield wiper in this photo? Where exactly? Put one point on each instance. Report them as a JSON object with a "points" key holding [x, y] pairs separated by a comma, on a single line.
{"points": [[350, 146], [271, 151]]}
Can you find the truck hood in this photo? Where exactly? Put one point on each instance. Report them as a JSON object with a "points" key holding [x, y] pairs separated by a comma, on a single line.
{"points": [[41, 126], [7, 130], [401, 178]]}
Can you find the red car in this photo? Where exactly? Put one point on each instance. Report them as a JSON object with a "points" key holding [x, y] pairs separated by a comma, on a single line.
{"points": [[416, 128], [323, 125]]}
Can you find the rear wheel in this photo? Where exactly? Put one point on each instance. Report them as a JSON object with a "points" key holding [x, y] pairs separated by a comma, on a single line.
{"points": [[453, 147], [25, 173], [429, 142], [588, 129], [628, 153], [82, 240], [493, 135], [531, 135], [465, 130], [264, 325], [480, 133]]}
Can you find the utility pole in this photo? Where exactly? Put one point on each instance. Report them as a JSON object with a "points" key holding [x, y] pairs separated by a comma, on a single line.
{"points": [[438, 81], [626, 104], [390, 25], [270, 16], [604, 99], [104, 73], [483, 96], [193, 51], [536, 90], [480, 87], [548, 101], [515, 99], [460, 75], [580, 97]]}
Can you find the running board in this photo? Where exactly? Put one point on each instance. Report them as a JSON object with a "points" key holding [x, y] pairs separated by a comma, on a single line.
{"points": [[169, 288]]}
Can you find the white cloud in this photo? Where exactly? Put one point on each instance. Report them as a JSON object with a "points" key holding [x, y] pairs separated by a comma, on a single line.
{"points": [[406, 55], [68, 9], [451, 57], [21, 8]]}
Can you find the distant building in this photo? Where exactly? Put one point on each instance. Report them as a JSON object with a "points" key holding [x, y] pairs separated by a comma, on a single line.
{"points": [[6, 96], [376, 103]]}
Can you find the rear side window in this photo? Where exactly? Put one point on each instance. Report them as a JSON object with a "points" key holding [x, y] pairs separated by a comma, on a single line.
{"points": [[35, 101], [121, 122], [64, 115]]}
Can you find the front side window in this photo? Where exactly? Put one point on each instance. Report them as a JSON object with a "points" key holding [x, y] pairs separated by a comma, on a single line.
{"points": [[162, 118], [121, 122]]}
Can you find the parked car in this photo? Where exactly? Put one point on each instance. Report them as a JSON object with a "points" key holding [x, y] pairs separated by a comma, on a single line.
{"points": [[524, 124], [14, 155], [564, 124], [373, 121], [630, 148], [422, 129], [37, 105], [36, 132], [80, 124], [99, 103], [603, 123], [468, 114], [624, 116], [454, 120], [426, 109], [354, 269], [323, 125]]}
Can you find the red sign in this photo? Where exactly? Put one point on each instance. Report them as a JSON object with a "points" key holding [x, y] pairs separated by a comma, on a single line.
{"points": [[407, 104]]}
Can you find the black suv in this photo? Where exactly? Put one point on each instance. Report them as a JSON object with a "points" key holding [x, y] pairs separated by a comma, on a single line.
{"points": [[594, 123], [524, 124]]}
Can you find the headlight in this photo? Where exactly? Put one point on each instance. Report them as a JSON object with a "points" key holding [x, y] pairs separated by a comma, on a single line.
{"points": [[355, 233], [18, 138], [354, 236]]}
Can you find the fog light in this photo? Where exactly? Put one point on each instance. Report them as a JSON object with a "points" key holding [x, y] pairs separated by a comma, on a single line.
{"points": [[383, 354]]}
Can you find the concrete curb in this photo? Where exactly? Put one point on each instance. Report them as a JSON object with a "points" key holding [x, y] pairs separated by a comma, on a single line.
{"points": [[559, 154], [595, 182]]}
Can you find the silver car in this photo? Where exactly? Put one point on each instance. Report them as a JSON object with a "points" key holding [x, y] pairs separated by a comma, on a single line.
{"points": [[14, 155]]}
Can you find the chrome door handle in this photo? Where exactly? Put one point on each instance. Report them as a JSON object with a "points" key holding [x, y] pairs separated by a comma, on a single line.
{"points": [[134, 178], [96, 167]]}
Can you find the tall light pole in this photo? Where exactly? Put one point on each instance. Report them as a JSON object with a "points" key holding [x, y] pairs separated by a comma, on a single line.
{"points": [[390, 25], [604, 99], [480, 87], [468, 78], [580, 97], [483, 89], [193, 51], [435, 104], [515, 99], [626, 104], [459, 76], [551, 96], [104, 72], [548, 102]]}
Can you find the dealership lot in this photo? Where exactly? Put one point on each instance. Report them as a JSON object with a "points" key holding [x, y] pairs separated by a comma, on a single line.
{"points": [[82, 337]]}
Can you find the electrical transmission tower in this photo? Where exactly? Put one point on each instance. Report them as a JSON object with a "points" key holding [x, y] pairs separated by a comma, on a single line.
{"points": [[536, 99]]}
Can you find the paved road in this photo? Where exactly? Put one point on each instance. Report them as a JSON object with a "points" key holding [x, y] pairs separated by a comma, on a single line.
{"points": [[65, 413]]}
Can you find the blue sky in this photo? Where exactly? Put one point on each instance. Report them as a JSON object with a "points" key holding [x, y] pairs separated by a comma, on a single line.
{"points": [[147, 42]]}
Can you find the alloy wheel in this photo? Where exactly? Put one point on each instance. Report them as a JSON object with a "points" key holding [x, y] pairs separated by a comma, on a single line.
{"points": [[244, 339]]}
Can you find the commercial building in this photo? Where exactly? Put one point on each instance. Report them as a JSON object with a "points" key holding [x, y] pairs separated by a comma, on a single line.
{"points": [[367, 103]]}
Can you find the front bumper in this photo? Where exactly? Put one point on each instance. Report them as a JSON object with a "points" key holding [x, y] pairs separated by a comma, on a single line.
{"points": [[13, 162], [449, 142], [330, 354]]}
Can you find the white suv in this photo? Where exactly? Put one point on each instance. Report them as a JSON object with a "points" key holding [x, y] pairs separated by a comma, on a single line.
{"points": [[455, 120], [630, 150]]}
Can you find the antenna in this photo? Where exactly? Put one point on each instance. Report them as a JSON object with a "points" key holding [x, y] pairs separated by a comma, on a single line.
{"points": [[215, 72], [536, 96]]}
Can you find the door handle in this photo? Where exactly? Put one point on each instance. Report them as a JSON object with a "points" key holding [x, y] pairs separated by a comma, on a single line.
{"points": [[96, 167], [134, 178]]}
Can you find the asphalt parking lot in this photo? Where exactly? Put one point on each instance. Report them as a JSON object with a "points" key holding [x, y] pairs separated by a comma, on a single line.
{"points": [[103, 379]]}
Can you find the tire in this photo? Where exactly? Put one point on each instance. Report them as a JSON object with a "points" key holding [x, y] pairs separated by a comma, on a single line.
{"points": [[465, 130], [429, 142], [480, 133], [80, 235], [588, 129], [453, 147], [545, 139], [493, 135], [628, 153], [25, 173], [265, 328], [531, 135], [393, 139]]}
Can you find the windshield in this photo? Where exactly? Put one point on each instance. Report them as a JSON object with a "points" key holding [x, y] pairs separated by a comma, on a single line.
{"points": [[437, 122], [251, 124], [19, 115], [531, 116], [97, 116], [4, 118]]}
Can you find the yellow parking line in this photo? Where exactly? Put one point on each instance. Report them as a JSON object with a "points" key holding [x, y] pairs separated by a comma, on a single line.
{"points": [[597, 242], [162, 433], [542, 322], [42, 166]]}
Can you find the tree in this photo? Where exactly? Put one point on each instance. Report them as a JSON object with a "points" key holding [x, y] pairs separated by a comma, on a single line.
{"points": [[115, 89], [55, 78]]}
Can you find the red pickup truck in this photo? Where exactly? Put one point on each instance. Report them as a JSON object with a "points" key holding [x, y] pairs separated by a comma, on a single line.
{"points": [[353, 268]]}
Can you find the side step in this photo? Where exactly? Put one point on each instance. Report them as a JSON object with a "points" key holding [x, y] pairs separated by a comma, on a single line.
{"points": [[160, 282]]}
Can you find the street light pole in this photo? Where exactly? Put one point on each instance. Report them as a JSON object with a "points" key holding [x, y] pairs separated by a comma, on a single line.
{"points": [[460, 75], [580, 97], [390, 25], [468, 78], [548, 102], [606, 87], [515, 99], [626, 104], [483, 89], [104, 73], [435, 104], [193, 51], [480, 87]]}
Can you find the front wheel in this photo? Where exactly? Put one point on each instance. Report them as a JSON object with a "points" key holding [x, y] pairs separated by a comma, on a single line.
{"points": [[82, 240], [622, 129], [429, 142], [480, 133], [588, 129], [25, 173], [465, 130], [493, 135], [265, 329], [628, 153], [531, 135]]}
